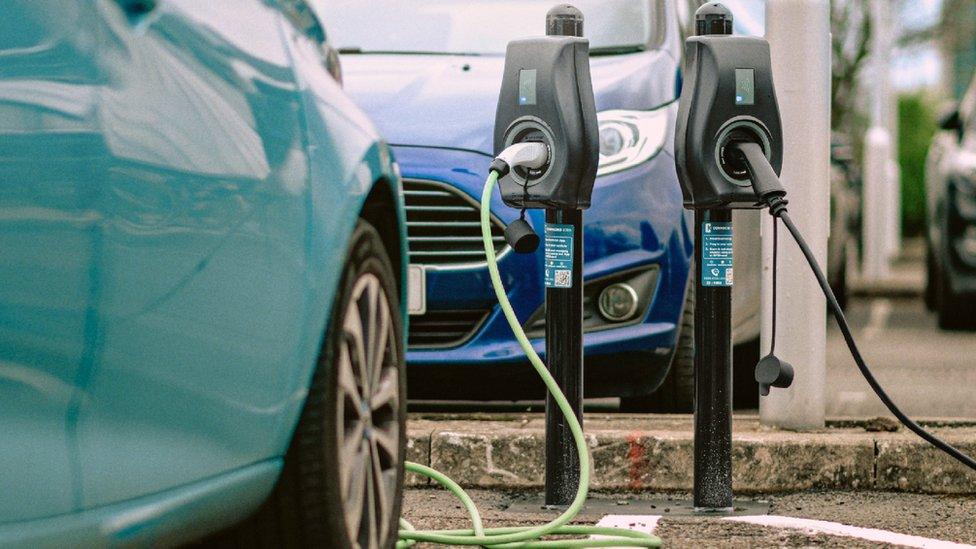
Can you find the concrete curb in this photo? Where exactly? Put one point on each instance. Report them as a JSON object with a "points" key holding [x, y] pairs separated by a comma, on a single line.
{"points": [[655, 453]]}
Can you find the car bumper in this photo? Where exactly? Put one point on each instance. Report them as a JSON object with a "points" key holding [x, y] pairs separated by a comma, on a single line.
{"points": [[637, 223]]}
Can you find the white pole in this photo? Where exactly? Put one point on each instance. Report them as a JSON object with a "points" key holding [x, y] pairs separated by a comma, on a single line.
{"points": [[890, 106], [875, 204], [876, 200], [799, 38]]}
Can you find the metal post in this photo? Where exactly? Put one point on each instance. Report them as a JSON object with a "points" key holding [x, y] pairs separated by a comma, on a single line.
{"points": [[798, 32], [564, 327], [713, 380], [564, 357]]}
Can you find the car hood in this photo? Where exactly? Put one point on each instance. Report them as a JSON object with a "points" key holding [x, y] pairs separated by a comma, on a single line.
{"points": [[449, 101]]}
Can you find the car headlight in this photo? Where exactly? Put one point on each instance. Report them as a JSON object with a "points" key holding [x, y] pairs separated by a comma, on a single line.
{"points": [[628, 138]]}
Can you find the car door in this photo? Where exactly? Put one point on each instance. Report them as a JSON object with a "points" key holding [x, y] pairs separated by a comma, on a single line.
{"points": [[202, 247], [50, 246]]}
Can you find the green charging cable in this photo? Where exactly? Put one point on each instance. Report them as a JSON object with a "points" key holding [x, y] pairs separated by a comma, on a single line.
{"points": [[523, 536]]}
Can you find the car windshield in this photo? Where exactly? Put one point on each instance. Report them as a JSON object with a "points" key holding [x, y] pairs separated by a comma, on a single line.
{"points": [[478, 26]]}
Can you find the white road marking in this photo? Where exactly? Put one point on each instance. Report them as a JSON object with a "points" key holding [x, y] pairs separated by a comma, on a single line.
{"points": [[637, 523], [837, 529], [878, 320]]}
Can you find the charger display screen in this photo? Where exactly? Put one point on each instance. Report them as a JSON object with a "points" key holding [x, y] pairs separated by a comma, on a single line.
{"points": [[526, 86], [745, 86]]}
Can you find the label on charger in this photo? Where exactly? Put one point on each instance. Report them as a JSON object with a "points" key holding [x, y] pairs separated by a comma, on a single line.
{"points": [[559, 255], [716, 253]]}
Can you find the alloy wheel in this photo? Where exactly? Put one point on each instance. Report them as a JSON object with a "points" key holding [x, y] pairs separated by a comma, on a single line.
{"points": [[368, 408]]}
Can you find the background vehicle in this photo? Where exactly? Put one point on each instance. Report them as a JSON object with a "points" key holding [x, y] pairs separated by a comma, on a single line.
{"points": [[428, 72], [950, 186], [845, 214], [199, 232]]}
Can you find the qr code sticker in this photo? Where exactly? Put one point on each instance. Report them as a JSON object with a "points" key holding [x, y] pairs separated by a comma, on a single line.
{"points": [[563, 279], [728, 276]]}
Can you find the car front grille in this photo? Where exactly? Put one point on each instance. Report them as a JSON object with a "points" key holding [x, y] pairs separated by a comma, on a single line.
{"points": [[440, 329], [443, 225]]}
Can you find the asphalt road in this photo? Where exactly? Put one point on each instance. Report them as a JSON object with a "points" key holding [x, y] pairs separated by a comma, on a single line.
{"points": [[887, 518], [927, 372]]}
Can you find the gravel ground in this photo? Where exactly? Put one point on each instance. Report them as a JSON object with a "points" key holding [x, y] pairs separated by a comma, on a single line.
{"points": [[940, 517]]}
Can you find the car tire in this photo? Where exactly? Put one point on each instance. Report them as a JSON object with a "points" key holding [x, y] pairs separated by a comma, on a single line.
{"points": [[839, 286], [954, 312], [677, 393], [320, 478], [931, 279]]}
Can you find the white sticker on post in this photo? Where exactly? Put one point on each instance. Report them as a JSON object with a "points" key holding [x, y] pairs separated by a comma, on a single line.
{"points": [[559, 255]]}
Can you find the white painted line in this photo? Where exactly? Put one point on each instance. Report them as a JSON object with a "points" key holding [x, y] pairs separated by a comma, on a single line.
{"points": [[637, 523], [837, 529], [878, 320]]}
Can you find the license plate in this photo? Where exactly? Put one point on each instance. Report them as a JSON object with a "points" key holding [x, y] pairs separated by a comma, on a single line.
{"points": [[416, 290]]}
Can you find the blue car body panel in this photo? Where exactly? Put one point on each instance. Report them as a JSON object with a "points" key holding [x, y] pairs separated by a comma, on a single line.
{"points": [[177, 189], [450, 100], [628, 230], [438, 113]]}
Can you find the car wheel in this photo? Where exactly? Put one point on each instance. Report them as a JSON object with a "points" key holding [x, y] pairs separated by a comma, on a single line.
{"points": [[839, 286], [677, 393], [954, 312], [931, 278], [342, 481]]}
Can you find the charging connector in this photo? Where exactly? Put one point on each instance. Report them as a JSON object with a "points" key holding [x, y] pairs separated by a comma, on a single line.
{"points": [[531, 155], [764, 180]]}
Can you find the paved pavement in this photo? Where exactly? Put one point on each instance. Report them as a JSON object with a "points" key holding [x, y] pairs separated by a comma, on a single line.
{"points": [[654, 453], [928, 372], [826, 519]]}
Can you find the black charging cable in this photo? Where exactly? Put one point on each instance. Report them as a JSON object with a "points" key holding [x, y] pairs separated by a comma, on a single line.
{"points": [[772, 194], [772, 338]]}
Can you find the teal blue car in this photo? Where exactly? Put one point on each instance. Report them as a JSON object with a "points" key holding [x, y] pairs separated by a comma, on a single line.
{"points": [[202, 272]]}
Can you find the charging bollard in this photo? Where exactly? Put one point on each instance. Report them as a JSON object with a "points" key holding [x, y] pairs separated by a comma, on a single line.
{"points": [[563, 241], [713, 338], [727, 98], [547, 97], [564, 348], [713, 360]]}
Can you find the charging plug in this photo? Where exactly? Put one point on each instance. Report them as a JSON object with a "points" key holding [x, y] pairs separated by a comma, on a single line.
{"points": [[527, 154], [764, 180]]}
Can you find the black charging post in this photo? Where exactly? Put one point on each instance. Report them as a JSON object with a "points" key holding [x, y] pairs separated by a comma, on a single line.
{"points": [[564, 317], [713, 337], [727, 99], [564, 357], [547, 97], [713, 360]]}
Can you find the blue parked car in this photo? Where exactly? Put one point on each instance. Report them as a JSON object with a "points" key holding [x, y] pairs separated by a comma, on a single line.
{"points": [[428, 72], [201, 302]]}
